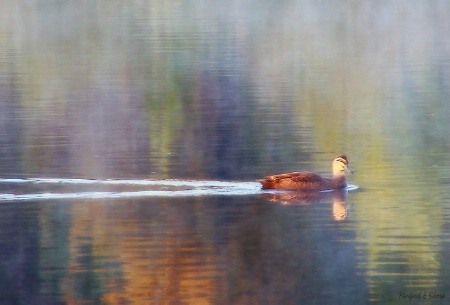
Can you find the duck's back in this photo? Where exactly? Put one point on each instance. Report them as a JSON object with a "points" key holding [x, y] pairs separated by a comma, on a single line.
{"points": [[296, 181]]}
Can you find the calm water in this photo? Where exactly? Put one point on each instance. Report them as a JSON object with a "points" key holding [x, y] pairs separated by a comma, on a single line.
{"points": [[131, 136]]}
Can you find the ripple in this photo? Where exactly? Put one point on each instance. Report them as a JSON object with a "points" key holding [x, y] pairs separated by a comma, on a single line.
{"points": [[178, 188]]}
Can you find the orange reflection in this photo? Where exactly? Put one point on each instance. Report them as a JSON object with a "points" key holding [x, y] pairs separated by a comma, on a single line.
{"points": [[175, 265]]}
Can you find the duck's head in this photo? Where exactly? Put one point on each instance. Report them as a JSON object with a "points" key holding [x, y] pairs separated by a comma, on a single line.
{"points": [[340, 165]]}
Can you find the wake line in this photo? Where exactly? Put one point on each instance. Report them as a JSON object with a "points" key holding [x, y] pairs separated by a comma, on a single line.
{"points": [[168, 182], [178, 188], [118, 195]]}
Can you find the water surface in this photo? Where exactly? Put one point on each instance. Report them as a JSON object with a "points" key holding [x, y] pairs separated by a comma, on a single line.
{"points": [[131, 137]]}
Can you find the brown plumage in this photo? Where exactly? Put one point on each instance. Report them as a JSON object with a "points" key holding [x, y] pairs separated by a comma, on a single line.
{"points": [[309, 181]]}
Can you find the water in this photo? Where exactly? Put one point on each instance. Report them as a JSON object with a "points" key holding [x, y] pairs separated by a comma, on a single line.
{"points": [[132, 136]]}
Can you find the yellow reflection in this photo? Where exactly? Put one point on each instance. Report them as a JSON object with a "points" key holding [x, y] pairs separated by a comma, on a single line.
{"points": [[400, 223], [339, 210]]}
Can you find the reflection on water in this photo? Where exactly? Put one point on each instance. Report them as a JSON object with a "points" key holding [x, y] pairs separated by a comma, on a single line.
{"points": [[338, 197], [226, 250], [222, 91]]}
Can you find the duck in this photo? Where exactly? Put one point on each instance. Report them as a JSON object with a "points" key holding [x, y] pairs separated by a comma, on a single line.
{"points": [[308, 181]]}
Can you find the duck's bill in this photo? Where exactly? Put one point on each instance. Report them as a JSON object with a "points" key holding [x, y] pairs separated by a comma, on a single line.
{"points": [[349, 169]]}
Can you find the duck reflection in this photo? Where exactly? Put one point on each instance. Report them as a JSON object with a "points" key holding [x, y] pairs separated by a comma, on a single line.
{"points": [[339, 209]]}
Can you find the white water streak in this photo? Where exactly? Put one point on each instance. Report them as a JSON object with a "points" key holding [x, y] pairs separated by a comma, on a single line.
{"points": [[195, 188], [182, 188], [166, 182]]}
